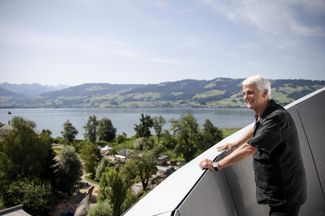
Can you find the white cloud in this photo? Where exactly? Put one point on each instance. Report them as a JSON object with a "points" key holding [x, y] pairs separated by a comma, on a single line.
{"points": [[91, 46], [277, 21], [316, 7]]}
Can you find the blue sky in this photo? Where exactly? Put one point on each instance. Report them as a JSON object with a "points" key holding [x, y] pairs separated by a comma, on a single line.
{"points": [[153, 41]]}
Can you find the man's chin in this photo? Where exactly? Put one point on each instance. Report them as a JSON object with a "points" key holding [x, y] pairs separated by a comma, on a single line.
{"points": [[249, 106]]}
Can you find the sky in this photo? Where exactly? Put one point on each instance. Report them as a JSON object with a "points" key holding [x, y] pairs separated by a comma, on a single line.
{"points": [[153, 41]]}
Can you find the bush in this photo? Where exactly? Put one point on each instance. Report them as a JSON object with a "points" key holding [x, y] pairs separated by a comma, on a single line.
{"points": [[143, 143], [100, 209], [32, 193], [121, 138]]}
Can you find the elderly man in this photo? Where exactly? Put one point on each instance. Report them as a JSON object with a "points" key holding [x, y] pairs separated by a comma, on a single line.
{"points": [[279, 171]]}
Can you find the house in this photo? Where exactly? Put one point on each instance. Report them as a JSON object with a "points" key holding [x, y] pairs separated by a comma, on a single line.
{"points": [[122, 155], [104, 150], [120, 158], [4, 130], [124, 152], [162, 160]]}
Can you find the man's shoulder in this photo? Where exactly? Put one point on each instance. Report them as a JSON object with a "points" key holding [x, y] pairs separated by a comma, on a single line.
{"points": [[278, 113]]}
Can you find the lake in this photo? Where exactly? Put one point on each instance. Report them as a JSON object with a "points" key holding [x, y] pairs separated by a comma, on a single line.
{"points": [[125, 118]]}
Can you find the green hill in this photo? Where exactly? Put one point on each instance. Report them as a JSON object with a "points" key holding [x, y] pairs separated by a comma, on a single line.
{"points": [[219, 92]]}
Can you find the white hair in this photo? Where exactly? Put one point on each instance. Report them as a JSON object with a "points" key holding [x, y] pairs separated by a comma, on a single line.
{"points": [[261, 83]]}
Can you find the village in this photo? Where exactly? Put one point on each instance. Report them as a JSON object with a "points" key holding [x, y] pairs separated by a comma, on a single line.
{"points": [[87, 175]]}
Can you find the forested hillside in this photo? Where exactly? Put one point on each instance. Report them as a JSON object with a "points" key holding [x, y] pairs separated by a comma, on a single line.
{"points": [[219, 92]]}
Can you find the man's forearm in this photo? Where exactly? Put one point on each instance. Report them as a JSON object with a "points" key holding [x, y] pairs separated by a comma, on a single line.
{"points": [[245, 137], [239, 154]]}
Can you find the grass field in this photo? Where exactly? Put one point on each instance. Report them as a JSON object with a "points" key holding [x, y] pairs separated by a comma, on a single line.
{"points": [[228, 131]]}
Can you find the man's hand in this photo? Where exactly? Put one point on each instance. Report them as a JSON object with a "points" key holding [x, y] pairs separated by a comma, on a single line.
{"points": [[206, 164], [236, 144], [240, 153], [226, 147]]}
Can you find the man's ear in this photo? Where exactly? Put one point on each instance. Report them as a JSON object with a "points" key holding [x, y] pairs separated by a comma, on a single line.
{"points": [[265, 93]]}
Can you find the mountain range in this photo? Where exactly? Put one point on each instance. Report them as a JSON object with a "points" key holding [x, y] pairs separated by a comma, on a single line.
{"points": [[219, 92]]}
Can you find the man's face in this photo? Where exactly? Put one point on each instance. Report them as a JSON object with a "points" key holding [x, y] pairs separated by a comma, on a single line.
{"points": [[254, 98]]}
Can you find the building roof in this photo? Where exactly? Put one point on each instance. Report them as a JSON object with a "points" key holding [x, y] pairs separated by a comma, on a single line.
{"points": [[14, 211], [5, 129]]}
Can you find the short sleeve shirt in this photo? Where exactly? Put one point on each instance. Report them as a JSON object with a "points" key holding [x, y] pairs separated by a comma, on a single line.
{"points": [[278, 166]]}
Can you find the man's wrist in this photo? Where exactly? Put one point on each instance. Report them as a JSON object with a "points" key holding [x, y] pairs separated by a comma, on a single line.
{"points": [[216, 166]]}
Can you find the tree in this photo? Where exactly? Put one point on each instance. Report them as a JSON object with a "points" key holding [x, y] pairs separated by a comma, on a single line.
{"points": [[90, 154], [101, 168], [91, 129], [158, 150], [129, 200], [114, 189], [69, 132], [168, 140], [121, 138], [50, 163], [69, 169], [106, 130], [158, 124], [33, 193], [46, 132], [210, 135], [6, 167], [143, 129], [186, 131], [24, 152], [129, 172], [26, 160], [145, 167]]}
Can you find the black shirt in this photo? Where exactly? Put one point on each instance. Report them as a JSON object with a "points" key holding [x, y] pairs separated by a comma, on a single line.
{"points": [[279, 171]]}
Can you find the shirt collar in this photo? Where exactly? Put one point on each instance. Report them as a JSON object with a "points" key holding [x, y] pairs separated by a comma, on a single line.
{"points": [[269, 109]]}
